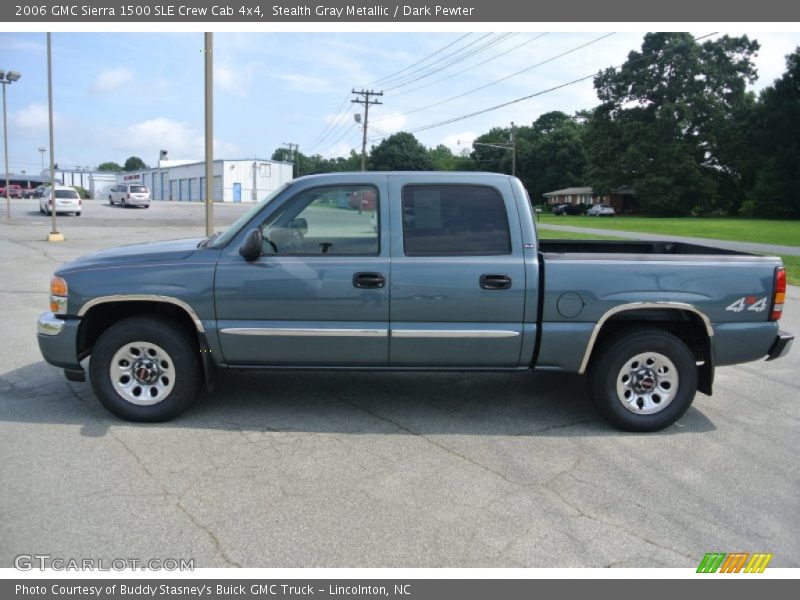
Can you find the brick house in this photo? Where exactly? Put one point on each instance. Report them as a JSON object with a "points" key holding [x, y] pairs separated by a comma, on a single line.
{"points": [[622, 199]]}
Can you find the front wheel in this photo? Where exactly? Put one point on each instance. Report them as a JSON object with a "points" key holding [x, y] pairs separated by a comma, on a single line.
{"points": [[145, 369], [643, 380]]}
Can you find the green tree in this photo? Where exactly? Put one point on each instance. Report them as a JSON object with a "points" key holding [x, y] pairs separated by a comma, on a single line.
{"points": [[775, 148], [550, 154], [665, 117], [443, 159], [134, 163], [487, 158], [110, 166], [400, 152]]}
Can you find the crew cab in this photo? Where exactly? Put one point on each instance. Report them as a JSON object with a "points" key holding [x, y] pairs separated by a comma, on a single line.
{"points": [[443, 271]]}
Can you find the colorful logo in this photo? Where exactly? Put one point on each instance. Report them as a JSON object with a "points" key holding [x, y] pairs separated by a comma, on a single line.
{"points": [[737, 562]]}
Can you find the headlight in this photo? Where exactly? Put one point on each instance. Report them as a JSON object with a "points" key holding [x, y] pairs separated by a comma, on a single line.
{"points": [[58, 295]]}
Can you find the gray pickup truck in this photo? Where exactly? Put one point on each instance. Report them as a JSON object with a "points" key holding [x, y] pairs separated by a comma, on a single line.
{"points": [[411, 271]]}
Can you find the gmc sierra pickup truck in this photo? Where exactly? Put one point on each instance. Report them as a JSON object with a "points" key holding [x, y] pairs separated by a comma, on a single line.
{"points": [[429, 271]]}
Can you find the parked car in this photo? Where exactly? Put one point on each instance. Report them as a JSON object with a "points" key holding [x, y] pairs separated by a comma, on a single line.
{"points": [[67, 201], [14, 191], [601, 210], [129, 194], [466, 285], [566, 209]]}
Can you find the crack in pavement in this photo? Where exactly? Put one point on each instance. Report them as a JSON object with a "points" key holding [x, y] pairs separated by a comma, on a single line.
{"points": [[427, 439], [165, 492]]}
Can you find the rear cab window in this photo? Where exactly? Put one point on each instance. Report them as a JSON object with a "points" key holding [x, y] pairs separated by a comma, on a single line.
{"points": [[454, 220], [138, 189]]}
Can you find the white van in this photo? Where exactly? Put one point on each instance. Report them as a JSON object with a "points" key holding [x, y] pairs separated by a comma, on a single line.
{"points": [[129, 194]]}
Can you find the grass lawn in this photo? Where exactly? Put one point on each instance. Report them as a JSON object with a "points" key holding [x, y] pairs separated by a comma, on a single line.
{"points": [[784, 232], [792, 264], [555, 234]]}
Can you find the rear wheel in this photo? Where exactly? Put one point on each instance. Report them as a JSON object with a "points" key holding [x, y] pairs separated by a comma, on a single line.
{"points": [[643, 380], [145, 369]]}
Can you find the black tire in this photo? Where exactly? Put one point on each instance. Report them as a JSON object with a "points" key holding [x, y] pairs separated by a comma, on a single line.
{"points": [[124, 204], [612, 365], [110, 201], [180, 350]]}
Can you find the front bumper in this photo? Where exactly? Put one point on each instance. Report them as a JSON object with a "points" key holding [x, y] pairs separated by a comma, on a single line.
{"points": [[780, 347], [58, 341]]}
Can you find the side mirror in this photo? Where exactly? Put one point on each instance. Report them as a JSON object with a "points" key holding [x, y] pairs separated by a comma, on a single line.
{"points": [[251, 248], [300, 225]]}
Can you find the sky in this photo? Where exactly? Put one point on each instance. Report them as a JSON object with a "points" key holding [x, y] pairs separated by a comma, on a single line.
{"points": [[121, 94]]}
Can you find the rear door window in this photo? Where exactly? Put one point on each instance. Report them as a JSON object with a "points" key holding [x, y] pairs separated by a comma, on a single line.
{"points": [[138, 189], [454, 220]]}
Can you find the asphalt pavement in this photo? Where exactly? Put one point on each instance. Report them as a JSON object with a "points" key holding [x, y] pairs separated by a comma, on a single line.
{"points": [[334, 469]]}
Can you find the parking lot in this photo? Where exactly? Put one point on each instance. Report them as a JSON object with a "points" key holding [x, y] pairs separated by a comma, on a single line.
{"points": [[334, 469]]}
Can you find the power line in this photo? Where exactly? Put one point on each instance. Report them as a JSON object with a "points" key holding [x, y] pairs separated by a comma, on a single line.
{"points": [[318, 140], [490, 59], [341, 112], [394, 79], [456, 60], [341, 137], [529, 96], [495, 82], [421, 60]]}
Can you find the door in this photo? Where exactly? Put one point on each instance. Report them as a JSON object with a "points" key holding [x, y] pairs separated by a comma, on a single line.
{"points": [[458, 277], [319, 295], [237, 192]]}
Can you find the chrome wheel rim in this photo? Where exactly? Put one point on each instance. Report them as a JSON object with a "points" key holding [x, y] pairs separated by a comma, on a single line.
{"points": [[647, 383], [142, 373]]}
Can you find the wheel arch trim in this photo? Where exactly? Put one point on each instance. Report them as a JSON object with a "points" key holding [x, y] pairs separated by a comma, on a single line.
{"points": [[632, 306], [144, 298]]}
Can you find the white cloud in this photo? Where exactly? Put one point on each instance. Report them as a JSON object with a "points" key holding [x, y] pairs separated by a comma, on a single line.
{"points": [[234, 80], [146, 138], [390, 123], [306, 83], [32, 119], [112, 80]]}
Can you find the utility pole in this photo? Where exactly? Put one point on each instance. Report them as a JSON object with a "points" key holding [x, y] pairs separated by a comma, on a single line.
{"points": [[293, 148], [513, 142], [366, 102]]}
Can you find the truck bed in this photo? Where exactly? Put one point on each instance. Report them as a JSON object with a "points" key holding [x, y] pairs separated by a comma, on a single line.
{"points": [[566, 246]]}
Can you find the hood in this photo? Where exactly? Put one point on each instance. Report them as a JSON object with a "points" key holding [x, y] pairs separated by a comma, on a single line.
{"points": [[151, 251]]}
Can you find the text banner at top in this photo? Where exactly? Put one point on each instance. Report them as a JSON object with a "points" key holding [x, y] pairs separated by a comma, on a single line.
{"points": [[438, 11]]}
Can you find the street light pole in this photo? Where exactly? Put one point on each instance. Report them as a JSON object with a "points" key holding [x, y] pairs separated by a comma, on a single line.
{"points": [[209, 73], [41, 153], [7, 79], [53, 236]]}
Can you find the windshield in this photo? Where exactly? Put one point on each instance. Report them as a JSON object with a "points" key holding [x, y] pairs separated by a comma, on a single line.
{"points": [[231, 231], [138, 189], [71, 194]]}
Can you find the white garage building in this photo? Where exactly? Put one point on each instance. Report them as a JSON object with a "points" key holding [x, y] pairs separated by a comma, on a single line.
{"points": [[240, 180]]}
